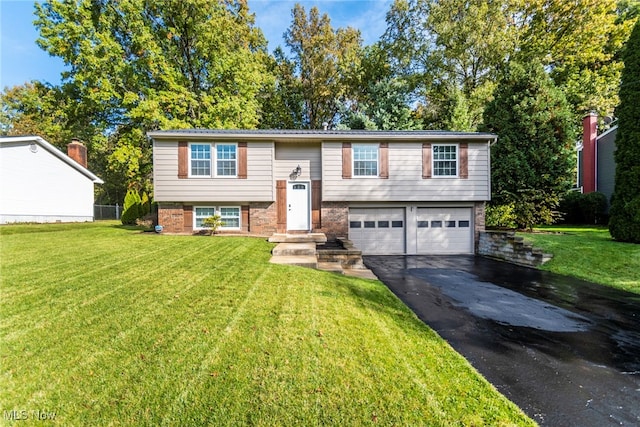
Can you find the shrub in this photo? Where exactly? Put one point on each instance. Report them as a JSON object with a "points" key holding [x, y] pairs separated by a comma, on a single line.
{"points": [[145, 205], [593, 207], [578, 208], [132, 207], [570, 209], [212, 223], [500, 216]]}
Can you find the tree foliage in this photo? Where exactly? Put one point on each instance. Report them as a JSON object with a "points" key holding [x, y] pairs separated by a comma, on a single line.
{"points": [[132, 209], [579, 42], [451, 48], [452, 51], [325, 62], [378, 100], [531, 163], [136, 65], [624, 223]]}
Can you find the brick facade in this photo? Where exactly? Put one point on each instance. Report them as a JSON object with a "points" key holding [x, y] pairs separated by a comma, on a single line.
{"points": [[263, 218], [479, 213], [171, 218], [334, 217]]}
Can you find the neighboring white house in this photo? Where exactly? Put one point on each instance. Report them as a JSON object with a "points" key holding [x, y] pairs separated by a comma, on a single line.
{"points": [[39, 183], [411, 192]]}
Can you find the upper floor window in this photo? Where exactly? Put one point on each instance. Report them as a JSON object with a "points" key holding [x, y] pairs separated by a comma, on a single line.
{"points": [[226, 159], [445, 160], [201, 160], [365, 160]]}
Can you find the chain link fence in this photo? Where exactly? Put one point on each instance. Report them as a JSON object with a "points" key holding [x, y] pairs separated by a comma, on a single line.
{"points": [[106, 211]]}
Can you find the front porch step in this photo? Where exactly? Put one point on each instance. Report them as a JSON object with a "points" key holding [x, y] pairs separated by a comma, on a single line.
{"points": [[295, 249], [298, 238], [299, 260]]}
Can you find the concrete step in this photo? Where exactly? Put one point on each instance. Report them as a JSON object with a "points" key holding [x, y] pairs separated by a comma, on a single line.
{"points": [[298, 238], [295, 249], [302, 261], [334, 267]]}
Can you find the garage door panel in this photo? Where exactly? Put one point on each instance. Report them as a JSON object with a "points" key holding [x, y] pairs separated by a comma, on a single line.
{"points": [[444, 230], [377, 230]]}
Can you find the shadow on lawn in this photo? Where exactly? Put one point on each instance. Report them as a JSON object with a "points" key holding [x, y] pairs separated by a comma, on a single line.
{"points": [[377, 296]]}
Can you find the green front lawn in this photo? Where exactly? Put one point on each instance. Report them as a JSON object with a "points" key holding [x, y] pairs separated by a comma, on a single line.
{"points": [[589, 253], [108, 326]]}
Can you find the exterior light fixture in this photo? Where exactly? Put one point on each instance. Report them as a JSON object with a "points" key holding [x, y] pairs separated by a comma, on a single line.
{"points": [[295, 174]]}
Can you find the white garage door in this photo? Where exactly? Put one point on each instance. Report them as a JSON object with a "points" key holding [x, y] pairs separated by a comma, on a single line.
{"points": [[444, 231], [378, 231]]}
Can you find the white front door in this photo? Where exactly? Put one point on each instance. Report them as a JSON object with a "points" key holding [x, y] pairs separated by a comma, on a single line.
{"points": [[298, 206]]}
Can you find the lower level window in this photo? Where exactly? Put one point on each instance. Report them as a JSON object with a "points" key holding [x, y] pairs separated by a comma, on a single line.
{"points": [[229, 215], [203, 213]]}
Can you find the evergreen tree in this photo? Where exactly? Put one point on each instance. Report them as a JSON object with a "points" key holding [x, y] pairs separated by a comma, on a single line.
{"points": [[531, 163], [132, 209], [624, 223]]}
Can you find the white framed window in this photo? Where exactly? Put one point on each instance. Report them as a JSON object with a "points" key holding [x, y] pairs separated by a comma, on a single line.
{"points": [[365, 159], [229, 215], [200, 160], [445, 160], [200, 213], [226, 160]]}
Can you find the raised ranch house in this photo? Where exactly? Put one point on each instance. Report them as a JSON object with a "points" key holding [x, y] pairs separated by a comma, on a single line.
{"points": [[412, 192], [39, 183]]}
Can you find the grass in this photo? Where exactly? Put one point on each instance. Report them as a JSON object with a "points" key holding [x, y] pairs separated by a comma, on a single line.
{"points": [[589, 253], [109, 326]]}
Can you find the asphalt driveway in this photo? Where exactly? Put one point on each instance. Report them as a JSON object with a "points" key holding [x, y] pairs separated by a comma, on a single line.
{"points": [[566, 351]]}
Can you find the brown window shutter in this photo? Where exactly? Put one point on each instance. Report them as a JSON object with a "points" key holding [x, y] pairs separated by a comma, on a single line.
{"points": [[242, 160], [384, 160], [346, 160], [183, 159], [188, 218], [316, 202], [245, 218], [281, 205], [426, 160], [464, 161]]}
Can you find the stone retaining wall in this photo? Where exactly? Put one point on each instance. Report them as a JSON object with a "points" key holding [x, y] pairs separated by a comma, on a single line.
{"points": [[506, 246]]}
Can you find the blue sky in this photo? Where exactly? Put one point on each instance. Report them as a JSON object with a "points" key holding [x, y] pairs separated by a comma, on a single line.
{"points": [[21, 60]]}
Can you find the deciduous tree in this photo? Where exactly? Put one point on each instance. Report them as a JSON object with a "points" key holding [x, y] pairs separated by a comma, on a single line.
{"points": [[138, 65], [450, 45], [325, 61]]}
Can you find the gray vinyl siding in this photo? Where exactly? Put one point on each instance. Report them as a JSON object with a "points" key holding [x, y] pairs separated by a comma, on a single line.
{"points": [[290, 155], [258, 187], [606, 163], [405, 182]]}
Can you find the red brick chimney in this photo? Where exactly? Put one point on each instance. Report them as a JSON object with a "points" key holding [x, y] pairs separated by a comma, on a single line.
{"points": [[77, 151], [589, 137]]}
